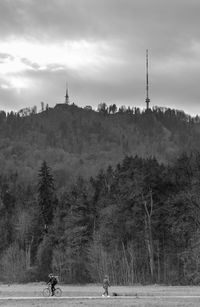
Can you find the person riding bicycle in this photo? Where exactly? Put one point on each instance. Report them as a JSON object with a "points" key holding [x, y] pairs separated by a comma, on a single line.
{"points": [[52, 281]]}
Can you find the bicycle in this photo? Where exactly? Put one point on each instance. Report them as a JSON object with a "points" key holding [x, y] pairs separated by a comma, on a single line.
{"points": [[47, 291]]}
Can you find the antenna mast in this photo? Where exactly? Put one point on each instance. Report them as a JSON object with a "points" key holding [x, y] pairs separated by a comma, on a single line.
{"points": [[147, 82], [67, 95]]}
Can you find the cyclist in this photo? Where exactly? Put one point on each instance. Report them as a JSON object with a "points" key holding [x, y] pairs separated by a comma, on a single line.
{"points": [[52, 281]]}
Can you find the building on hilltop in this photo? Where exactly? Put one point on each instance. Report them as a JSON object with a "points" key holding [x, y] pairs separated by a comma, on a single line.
{"points": [[66, 101]]}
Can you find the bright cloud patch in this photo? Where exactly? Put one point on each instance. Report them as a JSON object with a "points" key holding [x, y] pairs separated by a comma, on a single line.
{"points": [[72, 54], [17, 83], [24, 56]]}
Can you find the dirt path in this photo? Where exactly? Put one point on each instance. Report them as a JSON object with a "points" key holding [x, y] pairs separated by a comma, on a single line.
{"points": [[90, 295], [118, 302]]}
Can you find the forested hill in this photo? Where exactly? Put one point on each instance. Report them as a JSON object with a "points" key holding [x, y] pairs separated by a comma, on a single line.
{"points": [[136, 220], [76, 141]]}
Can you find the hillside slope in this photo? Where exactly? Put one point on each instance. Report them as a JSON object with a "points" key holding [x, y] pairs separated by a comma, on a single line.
{"points": [[76, 141]]}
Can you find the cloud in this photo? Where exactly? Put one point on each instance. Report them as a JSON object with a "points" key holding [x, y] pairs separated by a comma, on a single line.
{"points": [[94, 19], [99, 47], [5, 56]]}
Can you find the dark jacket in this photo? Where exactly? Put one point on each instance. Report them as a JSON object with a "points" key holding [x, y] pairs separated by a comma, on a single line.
{"points": [[52, 280], [106, 283]]}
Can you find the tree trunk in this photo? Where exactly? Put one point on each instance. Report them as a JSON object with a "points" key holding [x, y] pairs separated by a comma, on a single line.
{"points": [[148, 235]]}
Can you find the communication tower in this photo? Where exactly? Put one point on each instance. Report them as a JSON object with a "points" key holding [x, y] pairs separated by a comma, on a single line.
{"points": [[147, 82]]}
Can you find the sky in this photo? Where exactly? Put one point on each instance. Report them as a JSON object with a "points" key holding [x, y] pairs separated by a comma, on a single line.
{"points": [[97, 49]]}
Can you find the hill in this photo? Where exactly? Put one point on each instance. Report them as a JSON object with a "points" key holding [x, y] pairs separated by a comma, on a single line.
{"points": [[76, 141], [137, 221]]}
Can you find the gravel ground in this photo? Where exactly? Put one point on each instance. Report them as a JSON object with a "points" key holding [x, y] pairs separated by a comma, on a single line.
{"points": [[141, 296]]}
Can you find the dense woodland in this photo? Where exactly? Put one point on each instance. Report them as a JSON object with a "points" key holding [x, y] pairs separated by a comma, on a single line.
{"points": [[84, 193]]}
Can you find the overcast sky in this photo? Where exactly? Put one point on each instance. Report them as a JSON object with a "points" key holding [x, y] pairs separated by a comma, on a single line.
{"points": [[98, 48]]}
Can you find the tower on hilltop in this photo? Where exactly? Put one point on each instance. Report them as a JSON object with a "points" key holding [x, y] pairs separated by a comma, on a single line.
{"points": [[147, 100], [67, 95]]}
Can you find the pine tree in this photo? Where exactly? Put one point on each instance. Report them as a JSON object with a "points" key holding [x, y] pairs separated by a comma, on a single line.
{"points": [[79, 224], [46, 194]]}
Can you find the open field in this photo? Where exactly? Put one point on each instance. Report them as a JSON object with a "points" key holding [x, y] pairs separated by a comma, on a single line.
{"points": [[90, 295]]}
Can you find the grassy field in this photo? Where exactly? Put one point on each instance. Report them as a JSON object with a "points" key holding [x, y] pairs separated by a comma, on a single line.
{"points": [[90, 295]]}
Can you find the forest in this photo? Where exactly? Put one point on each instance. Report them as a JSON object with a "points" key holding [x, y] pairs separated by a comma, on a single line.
{"points": [[134, 217]]}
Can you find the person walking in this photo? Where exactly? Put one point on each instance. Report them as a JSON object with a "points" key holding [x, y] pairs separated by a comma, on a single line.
{"points": [[106, 284]]}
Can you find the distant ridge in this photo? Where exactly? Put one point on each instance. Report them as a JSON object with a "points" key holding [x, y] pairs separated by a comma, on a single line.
{"points": [[77, 141]]}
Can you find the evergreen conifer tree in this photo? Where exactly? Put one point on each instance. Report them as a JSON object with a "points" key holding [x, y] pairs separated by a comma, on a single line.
{"points": [[46, 194]]}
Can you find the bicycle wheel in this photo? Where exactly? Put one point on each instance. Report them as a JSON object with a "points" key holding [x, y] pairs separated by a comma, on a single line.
{"points": [[58, 292], [46, 292]]}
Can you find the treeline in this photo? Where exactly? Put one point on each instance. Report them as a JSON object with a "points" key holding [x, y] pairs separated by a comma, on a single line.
{"points": [[138, 222], [79, 141]]}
